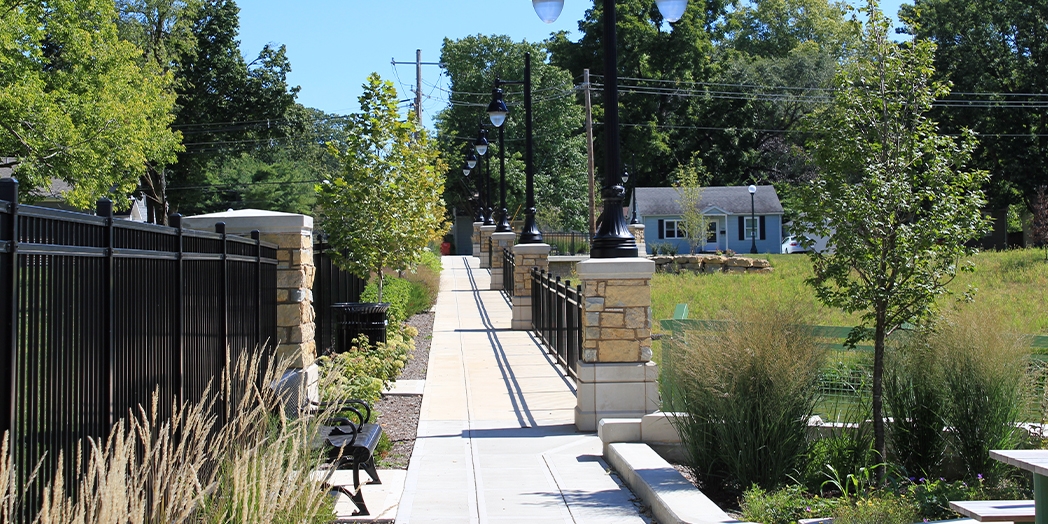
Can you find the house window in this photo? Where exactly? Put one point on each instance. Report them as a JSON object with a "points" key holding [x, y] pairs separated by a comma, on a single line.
{"points": [[711, 232], [751, 227], [674, 229]]}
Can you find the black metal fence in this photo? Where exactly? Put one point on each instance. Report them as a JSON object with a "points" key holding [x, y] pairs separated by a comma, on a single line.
{"points": [[97, 314], [508, 268], [556, 317], [331, 285], [567, 242]]}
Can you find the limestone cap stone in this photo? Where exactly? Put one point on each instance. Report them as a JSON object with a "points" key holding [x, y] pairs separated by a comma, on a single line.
{"points": [[615, 268], [531, 249], [244, 221]]}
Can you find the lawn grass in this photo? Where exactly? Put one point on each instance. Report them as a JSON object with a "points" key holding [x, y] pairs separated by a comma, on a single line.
{"points": [[1015, 283]]}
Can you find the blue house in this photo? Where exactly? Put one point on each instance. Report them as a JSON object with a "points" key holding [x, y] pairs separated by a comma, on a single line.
{"points": [[728, 210]]}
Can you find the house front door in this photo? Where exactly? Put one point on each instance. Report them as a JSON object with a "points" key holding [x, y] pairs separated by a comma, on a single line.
{"points": [[712, 236]]}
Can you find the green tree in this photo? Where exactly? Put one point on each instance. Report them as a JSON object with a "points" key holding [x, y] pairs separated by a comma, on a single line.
{"points": [[163, 30], [385, 204], [472, 63], [74, 103], [226, 105], [689, 197], [894, 197], [996, 51]]}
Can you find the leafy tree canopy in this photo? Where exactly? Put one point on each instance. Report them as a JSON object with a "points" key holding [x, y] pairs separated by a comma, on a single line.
{"points": [[472, 64], [75, 104], [993, 46], [384, 205]]}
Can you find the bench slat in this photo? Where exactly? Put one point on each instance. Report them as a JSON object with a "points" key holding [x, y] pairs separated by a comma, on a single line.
{"points": [[996, 510]]}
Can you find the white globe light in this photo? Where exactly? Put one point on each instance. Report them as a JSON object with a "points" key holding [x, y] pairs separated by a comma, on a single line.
{"points": [[753, 189], [672, 10], [497, 118], [548, 10], [482, 149]]}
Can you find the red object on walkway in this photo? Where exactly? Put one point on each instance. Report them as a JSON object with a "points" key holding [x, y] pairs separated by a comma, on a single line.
{"points": [[445, 248]]}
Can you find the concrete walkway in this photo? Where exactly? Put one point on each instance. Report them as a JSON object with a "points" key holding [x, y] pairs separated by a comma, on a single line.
{"points": [[496, 437]]}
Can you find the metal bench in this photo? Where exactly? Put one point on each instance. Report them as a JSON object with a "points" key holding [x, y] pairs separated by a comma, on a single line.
{"points": [[996, 510], [351, 445]]}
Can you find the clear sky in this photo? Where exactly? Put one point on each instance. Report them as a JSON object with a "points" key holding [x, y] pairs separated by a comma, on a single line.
{"points": [[334, 45]]}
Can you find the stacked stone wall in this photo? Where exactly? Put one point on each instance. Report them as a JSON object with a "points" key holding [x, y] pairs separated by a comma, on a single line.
{"points": [[710, 264], [617, 320], [295, 317]]}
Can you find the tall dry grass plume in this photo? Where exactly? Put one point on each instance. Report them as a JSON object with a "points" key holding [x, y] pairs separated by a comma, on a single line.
{"points": [[250, 464]]}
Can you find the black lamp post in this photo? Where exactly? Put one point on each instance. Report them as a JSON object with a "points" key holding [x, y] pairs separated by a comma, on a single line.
{"points": [[466, 169], [613, 238], [498, 112], [480, 145], [753, 221]]}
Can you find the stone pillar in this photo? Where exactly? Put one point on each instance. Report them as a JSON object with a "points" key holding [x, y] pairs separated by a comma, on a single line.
{"points": [[526, 257], [476, 238], [500, 241], [293, 235], [616, 376], [485, 246], [637, 230]]}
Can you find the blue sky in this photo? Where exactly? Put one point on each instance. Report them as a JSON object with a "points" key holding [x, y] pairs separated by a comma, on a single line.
{"points": [[334, 45]]}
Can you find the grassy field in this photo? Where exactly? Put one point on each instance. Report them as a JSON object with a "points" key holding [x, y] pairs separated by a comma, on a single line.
{"points": [[1011, 284]]}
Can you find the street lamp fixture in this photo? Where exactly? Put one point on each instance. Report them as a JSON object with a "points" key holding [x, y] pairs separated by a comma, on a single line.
{"points": [[471, 160], [481, 143], [498, 112], [753, 221], [549, 10], [613, 239]]}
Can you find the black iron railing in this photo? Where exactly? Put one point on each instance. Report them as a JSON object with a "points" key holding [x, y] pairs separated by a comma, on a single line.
{"points": [[331, 285], [491, 249], [97, 314], [567, 243], [556, 317], [508, 268]]}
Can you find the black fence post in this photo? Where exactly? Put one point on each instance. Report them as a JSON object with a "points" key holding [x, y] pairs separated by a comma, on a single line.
{"points": [[104, 209], [180, 310], [220, 228], [9, 321], [256, 235]]}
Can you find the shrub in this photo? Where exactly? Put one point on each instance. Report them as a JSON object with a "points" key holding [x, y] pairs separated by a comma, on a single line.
{"points": [[784, 506], [983, 370], [846, 450], [884, 508], [363, 371], [915, 397], [746, 395]]}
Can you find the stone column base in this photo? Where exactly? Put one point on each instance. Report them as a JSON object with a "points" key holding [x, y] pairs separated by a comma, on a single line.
{"points": [[299, 388], [475, 238], [521, 314], [637, 230], [499, 242], [615, 390], [485, 235]]}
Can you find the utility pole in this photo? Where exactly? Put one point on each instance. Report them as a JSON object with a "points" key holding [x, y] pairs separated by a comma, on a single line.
{"points": [[589, 152], [418, 85], [418, 63]]}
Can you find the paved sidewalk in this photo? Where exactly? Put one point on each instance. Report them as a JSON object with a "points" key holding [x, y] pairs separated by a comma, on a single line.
{"points": [[496, 437]]}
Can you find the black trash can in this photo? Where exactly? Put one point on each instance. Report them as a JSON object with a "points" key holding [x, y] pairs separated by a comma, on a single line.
{"points": [[352, 319]]}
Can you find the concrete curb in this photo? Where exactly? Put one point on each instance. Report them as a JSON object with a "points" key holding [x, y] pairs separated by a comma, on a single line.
{"points": [[671, 497]]}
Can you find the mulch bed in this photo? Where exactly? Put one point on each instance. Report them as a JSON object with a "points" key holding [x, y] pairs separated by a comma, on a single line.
{"points": [[398, 414]]}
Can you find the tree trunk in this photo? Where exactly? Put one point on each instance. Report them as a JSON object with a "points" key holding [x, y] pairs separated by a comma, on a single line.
{"points": [[878, 386], [381, 281]]}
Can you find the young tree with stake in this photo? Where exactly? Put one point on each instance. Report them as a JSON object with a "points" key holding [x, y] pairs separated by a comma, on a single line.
{"points": [[894, 196], [385, 204]]}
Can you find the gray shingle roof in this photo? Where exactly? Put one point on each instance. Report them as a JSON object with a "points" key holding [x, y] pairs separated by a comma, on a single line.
{"points": [[735, 200]]}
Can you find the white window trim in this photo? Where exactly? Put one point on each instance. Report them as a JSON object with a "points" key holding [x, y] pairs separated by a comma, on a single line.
{"points": [[752, 227], [678, 232]]}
